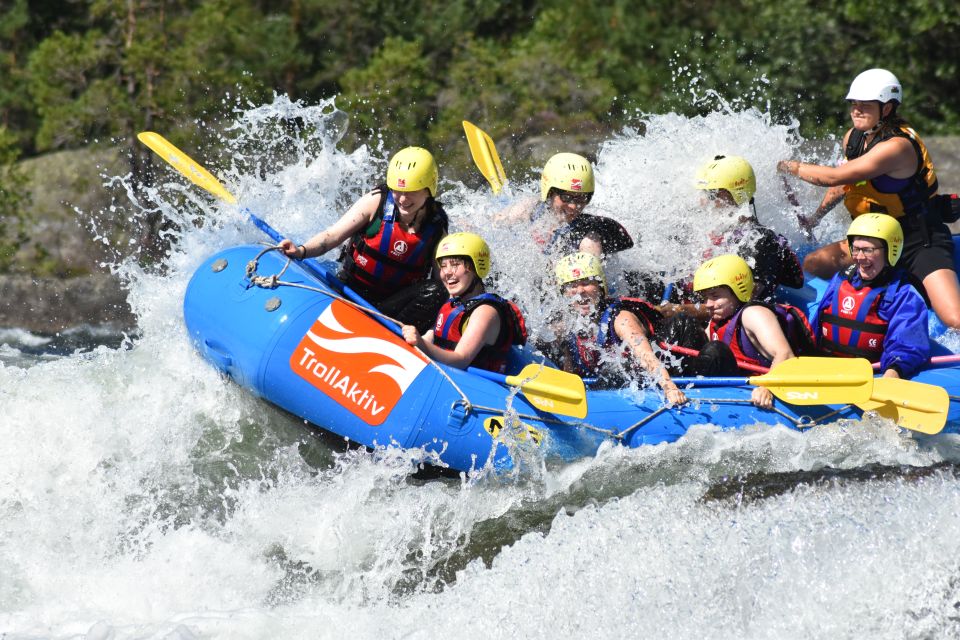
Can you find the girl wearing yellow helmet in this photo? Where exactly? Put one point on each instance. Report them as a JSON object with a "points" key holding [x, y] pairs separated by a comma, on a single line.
{"points": [[886, 169], [730, 184], [393, 232], [616, 327], [473, 327], [739, 330], [870, 310], [566, 188]]}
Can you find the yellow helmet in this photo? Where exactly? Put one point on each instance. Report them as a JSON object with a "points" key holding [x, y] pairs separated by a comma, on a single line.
{"points": [[729, 270], [412, 169], [567, 172], [882, 227], [578, 266], [731, 173], [466, 244]]}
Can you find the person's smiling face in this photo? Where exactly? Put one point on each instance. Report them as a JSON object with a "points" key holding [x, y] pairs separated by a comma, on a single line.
{"points": [[584, 295], [869, 256], [456, 275]]}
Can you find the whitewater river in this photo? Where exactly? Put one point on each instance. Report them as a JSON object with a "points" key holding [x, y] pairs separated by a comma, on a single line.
{"points": [[142, 495]]}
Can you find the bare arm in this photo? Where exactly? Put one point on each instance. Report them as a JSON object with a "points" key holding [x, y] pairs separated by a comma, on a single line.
{"points": [[831, 198], [356, 218], [483, 329], [894, 157], [517, 212], [630, 330], [763, 330]]}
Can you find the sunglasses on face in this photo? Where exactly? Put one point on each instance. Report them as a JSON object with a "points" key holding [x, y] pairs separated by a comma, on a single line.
{"points": [[567, 197]]}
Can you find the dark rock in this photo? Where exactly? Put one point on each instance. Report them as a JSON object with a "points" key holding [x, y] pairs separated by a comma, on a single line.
{"points": [[50, 305]]}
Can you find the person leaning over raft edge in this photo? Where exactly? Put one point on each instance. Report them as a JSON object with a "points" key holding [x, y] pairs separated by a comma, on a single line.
{"points": [[393, 232]]}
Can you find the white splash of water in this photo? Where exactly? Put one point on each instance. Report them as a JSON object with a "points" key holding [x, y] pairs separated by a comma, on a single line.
{"points": [[143, 496]]}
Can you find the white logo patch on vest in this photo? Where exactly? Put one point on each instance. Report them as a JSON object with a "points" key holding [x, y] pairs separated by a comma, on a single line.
{"points": [[847, 304], [400, 247]]}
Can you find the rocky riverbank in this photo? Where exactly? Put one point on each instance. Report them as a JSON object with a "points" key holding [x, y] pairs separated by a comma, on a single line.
{"points": [[50, 305]]}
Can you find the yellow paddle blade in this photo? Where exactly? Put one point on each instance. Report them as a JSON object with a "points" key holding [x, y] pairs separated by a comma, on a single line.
{"points": [[912, 405], [485, 156], [552, 390], [805, 381], [185, 165]]}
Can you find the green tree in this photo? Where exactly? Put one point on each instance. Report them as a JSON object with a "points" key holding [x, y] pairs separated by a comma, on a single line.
{"points": [[393, 97], [13, 201]]}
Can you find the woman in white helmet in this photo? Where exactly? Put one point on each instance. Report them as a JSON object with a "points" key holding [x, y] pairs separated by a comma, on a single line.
{"points": [[886, 169], [566, 188], [393, 231]]}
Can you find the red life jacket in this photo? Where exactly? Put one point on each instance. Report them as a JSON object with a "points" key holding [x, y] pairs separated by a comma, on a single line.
{"points": [[452, 319], [793, 323], [384, 257], [850, 324]]}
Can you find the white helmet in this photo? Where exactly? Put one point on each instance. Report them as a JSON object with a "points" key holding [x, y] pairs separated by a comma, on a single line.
{"points": [[876, 84]]}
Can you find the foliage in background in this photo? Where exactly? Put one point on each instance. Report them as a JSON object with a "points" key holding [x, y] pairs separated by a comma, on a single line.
{"points": [[88, 71], [13, 201]]}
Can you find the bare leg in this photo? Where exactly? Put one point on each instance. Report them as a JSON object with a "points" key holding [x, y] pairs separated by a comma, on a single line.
{"points": [[828, 260], [944, 292]]}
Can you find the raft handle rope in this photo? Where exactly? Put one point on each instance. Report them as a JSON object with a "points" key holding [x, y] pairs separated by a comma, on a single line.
{"points": [[274, 281], [803, 422]]}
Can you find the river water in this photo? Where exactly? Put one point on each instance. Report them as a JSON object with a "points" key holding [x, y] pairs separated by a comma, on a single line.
{"points": [[142, 495]]}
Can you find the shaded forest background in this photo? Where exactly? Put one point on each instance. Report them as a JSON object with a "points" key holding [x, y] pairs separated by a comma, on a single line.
{"points": [[83, 74]]}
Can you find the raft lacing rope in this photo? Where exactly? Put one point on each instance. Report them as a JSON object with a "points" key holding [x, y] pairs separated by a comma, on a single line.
{"points": [[274, 281]]}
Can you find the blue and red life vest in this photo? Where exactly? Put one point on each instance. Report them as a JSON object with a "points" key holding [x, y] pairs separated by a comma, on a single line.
{"points": [[452, 320], [384, 257], [792, 321], [850, 324]]}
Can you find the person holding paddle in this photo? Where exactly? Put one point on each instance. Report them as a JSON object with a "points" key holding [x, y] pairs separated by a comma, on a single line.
{"points": [[393, 232], [474, 327], [743, 330], [612, 341], [566, 188], [886, 169], [871, 310]]}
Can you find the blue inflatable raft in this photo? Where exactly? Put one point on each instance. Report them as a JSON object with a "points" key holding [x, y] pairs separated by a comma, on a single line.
{"points": [[305, 347]]}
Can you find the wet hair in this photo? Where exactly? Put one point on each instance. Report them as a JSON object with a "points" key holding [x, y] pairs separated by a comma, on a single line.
{"points": [[893, 122]]}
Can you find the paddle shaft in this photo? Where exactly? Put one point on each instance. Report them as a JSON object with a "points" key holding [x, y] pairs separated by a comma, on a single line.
{"points": [[746, 366]]}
